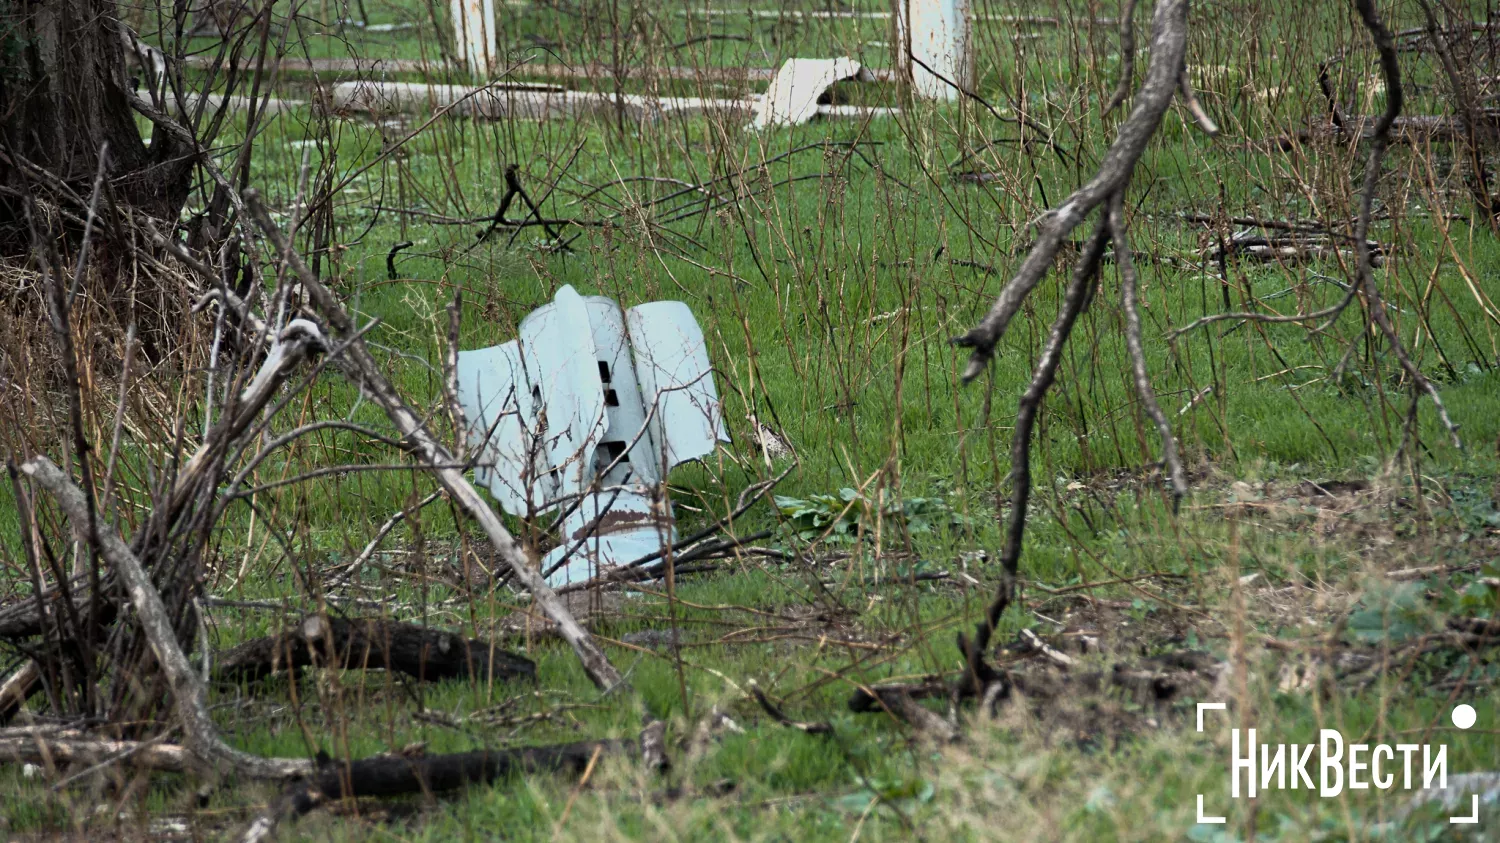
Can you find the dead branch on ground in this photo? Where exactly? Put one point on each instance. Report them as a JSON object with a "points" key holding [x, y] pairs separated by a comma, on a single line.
{"points": [[398, 775], [362, 643]]}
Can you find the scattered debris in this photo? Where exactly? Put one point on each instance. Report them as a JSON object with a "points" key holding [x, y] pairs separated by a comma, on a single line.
{"points": [[771, 444], [1047, 651], [565, 418], [792, 98], [1290, 246]]}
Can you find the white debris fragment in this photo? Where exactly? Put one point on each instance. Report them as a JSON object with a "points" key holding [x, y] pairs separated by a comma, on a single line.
{"points": [[792, 97], [541, 101], [586, 412]]}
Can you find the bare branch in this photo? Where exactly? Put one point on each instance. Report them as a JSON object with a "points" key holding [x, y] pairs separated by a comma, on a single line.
{"points": [[1126, 265], [357, 564], [362, 369], [1168, 48], [1080, 292], [1195, 108], [1127, 58], [189, 695], [814, 728], [1391, 68]]}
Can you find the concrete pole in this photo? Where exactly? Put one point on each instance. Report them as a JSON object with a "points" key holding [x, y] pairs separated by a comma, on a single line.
{"points": [[938, 34], [474, 30]]}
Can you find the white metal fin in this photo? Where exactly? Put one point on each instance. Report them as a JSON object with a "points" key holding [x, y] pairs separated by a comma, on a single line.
{"points": [[610, 528], [557, 347], [792, 96], [549, 411], [671, 362], [623, 403], [493, 392]]}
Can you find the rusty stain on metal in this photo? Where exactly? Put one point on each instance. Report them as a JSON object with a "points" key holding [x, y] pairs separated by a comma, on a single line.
{"points": [[614, 523]]}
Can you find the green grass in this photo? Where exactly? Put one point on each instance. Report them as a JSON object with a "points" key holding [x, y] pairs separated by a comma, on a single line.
{"points": [[829, 295]]}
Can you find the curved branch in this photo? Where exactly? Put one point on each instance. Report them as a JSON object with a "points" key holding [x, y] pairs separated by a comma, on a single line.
{"points": [[1075, 300], [1127, 58], [1195, 108], [1168, 50], [1392, 71], [1126, 265]]}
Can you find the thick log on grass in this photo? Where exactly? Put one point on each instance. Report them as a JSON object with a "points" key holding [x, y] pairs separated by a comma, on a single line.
{"points": [[394, 775], [397, 775], [360, 644], [54, 752]]}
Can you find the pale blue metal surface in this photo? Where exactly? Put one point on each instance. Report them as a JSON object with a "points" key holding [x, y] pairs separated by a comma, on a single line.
{"points": [[491, 390], [671, 360], [585, 413], [625, 415], [557, 348], [612, 526]]}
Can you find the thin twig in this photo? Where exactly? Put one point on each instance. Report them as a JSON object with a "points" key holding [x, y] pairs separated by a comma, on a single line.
{"points": [[1126, 265], [1127, 58]]}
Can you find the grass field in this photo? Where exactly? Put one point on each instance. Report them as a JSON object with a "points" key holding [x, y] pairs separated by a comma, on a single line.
{"points": [[829, 266]]}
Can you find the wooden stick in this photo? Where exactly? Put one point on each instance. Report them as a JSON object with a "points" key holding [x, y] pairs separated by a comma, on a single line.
{"points": [[361, 368], [189, 695]]}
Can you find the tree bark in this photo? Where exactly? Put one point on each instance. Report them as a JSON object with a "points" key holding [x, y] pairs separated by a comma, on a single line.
{"points": [[418, 651], [65, 95]]}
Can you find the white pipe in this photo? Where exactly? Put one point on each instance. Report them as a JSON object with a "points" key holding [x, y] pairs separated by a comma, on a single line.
{"points": [[499, 102]]}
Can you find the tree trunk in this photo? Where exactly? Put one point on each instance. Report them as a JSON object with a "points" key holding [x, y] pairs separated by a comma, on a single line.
{"points": [[65, 95]]}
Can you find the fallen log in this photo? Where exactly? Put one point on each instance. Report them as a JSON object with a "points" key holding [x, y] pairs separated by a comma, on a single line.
{"points": [[397, 775], [394, 775], [52, 752], [363, 643], [331, 780]]}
